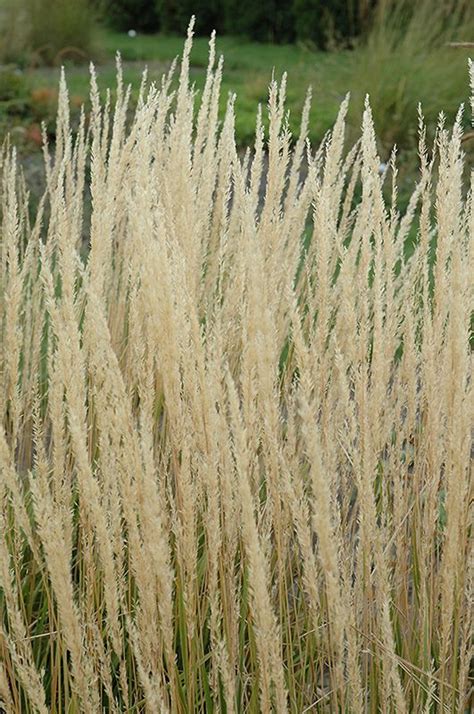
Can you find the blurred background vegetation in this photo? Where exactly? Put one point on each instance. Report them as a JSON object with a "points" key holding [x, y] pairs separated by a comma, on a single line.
{"points": [[396, 50]]}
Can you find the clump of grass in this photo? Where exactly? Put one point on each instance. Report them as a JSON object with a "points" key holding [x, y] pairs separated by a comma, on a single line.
{"points": [[404, 60], [235, 431]]}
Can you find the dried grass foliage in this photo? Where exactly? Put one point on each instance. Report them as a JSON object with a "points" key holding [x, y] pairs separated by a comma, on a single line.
{"points": [[235, 464]]}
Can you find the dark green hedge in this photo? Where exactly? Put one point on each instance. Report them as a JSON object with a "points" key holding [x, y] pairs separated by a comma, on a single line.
{"points": [[317, 22], [130, 14]]}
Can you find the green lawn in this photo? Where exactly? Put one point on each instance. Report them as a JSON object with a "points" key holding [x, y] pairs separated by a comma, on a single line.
{"points": [[247, 72]]}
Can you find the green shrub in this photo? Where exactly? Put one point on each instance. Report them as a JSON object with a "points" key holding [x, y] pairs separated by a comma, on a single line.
{"points": [[14, 99], [46, 31], [12, 84], [12, 30], [130, 14], [325, 22], [173, 16], [264, 21]]}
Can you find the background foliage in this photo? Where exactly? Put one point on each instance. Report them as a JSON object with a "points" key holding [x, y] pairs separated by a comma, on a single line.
{"points": [[320, 22], [395, 50]]}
